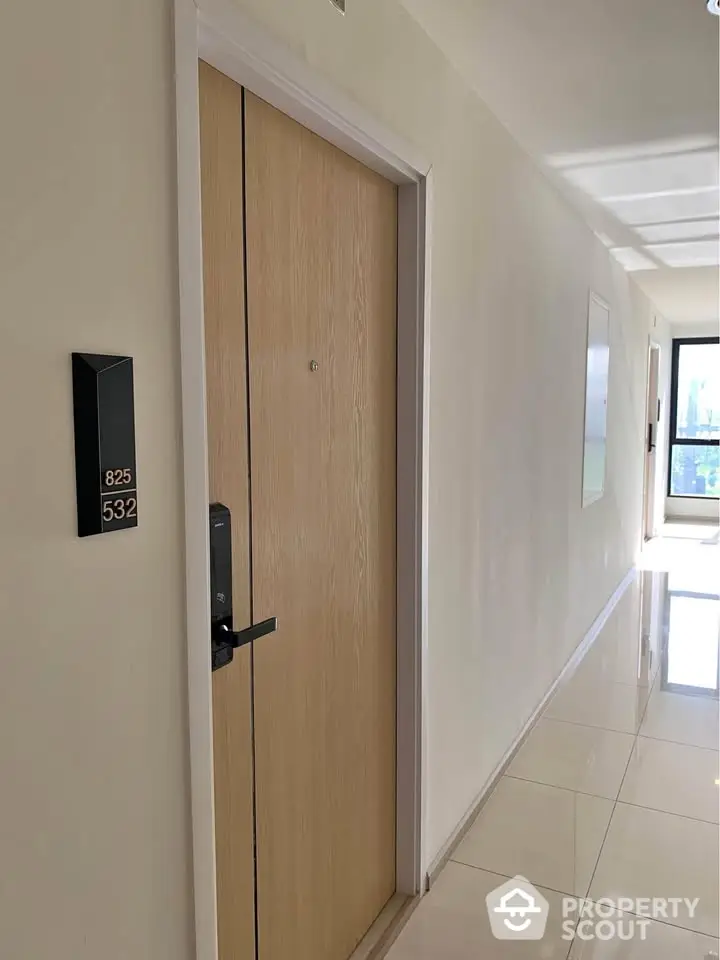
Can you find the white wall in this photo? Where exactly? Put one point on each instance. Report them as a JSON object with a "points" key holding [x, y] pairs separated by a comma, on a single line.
{"points": [[698, 328], [94, 818], [94, 837], [692, 508]]}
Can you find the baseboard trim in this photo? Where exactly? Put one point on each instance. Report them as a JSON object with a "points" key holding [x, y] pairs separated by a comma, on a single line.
{"points": [[570, 667], [386, 929]]}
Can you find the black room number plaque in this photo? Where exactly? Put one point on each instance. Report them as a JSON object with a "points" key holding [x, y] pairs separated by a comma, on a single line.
{"points": [[104, 415]]}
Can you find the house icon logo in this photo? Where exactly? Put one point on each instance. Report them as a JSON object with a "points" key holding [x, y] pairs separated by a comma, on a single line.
{"points": [[517, 911]]}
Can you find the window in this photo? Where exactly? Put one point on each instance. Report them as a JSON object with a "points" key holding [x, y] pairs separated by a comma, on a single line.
{"points": [[695, 419]]}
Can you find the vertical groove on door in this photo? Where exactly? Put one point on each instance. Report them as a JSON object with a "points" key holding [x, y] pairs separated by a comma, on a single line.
{"points": [[226, 374], [250, 522], [321, 279]]}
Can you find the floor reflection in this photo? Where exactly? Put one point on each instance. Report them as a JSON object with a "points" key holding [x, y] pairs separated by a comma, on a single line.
{"points": [[614, 794], [690, 656], [681, 598]]}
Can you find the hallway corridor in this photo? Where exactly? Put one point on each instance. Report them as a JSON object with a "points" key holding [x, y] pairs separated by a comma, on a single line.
{"points": [[614, 795]]}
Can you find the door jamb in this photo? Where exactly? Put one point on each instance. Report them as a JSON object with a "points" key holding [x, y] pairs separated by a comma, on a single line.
{"points": [[652, 345], [219, 33]]}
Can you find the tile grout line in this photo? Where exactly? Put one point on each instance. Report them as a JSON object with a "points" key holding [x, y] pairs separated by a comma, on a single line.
{"points": [[637, 733], [504, 876], [667, 813], [678, 743], [622, 783], [675, 926], [614, 801], [590, 726], [543, 886], [574, 896], [556, 786], [602, 796], [634, 733], [636, 737]]}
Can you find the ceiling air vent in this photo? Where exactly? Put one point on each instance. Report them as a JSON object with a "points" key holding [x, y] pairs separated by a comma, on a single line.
{"points": [[339, 5]]}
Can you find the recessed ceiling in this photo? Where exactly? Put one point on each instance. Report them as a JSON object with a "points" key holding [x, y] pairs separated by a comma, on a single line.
{"points": [[618, 101]]}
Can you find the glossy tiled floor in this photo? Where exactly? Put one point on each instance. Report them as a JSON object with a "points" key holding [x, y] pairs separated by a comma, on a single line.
{"points": [[615, 792]]}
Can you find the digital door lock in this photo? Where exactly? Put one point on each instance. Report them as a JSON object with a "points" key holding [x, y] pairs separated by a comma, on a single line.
{"points": [[223, 639]]}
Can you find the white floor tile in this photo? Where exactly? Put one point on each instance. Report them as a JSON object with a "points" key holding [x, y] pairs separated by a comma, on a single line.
{"points": [[682, 719], [651, 854], [659, 941], [610, 706], [613, 661], [674, 778], [553, 818], [551, 836], [451, 923], [586, 759]]}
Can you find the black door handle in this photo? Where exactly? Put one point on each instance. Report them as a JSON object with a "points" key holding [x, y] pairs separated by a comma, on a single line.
{"points": [[223, 639], [651, 445], [257, 630]]}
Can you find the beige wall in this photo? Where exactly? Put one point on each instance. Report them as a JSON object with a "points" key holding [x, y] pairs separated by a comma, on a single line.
{"points": [[94, 818], [94, 833], [697, 328]]}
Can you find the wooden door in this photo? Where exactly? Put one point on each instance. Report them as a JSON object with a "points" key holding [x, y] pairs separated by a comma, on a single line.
{"points": [[321, 258], [301, 423], [225, 364]]}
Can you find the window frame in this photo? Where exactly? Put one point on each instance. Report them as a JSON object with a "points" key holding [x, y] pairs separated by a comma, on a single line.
{"points": [[673, 441]]}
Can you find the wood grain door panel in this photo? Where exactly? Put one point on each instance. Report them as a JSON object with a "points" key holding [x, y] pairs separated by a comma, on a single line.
{"points": [[308, 471], [321, 257]]}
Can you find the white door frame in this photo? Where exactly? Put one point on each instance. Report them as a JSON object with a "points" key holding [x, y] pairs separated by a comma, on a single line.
{"points": [[216, 31], [650, 483]]}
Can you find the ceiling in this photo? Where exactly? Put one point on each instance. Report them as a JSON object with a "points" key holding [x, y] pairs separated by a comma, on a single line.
{"points": [[618, 101]]}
